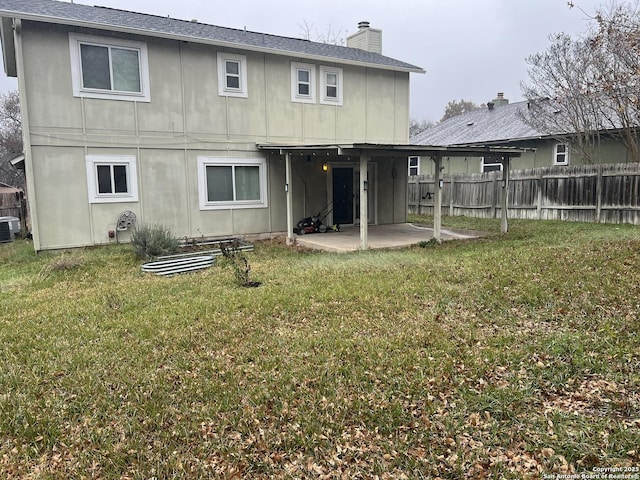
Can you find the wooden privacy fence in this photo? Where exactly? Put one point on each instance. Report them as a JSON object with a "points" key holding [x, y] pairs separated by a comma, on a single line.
{"points": [[588, 193], [14, 205], [9, 205]]}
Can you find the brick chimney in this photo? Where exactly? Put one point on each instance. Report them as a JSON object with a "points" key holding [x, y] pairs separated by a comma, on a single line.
{"points": [[366, 38]]}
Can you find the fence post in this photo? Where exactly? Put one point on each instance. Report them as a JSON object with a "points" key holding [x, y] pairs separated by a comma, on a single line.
{"points": [[421, 180], [598, 193], [494, 206], [504, 214], [452, 189], [539, 201], [437, 199]]}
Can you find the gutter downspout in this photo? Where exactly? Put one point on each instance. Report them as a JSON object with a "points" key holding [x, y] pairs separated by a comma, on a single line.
{"points": [[26, 134]]}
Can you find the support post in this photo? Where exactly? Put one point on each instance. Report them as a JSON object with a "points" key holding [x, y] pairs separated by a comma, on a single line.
{"points": [[364, 203], [289, 194], [437, 198], [506, 170]]}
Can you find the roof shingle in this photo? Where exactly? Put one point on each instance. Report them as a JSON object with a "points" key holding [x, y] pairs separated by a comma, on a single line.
{"points": [[144, 24], [483, 126]]}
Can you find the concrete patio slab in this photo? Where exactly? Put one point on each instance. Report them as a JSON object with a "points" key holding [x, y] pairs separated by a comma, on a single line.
{"points": [[380, 236]]}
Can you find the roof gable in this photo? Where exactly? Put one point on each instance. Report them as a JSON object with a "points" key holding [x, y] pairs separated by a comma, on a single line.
{"points": [[105, 18]]}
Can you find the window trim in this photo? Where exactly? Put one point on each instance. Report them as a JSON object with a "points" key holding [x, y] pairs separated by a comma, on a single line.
{"points": [[416, 166], [566, 154], [324, 98], [129, 161], [295, 96], [484, 164], [223, 89], [205, 204], [75, 40]]}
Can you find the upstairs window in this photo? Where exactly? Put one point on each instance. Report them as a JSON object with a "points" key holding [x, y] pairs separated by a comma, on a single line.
{"points": [[232, 75], [561, 154], [303, 83], [331, 80], [109, 68], [414, 166], [112, 178]]}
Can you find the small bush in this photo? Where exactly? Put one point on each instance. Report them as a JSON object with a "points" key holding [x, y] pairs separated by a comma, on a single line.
{"points": [[428, 243], [236, 259], [153, 241]]}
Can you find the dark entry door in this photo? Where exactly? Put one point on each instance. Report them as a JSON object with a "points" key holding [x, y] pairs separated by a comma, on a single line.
{"points": [[343, 195]]}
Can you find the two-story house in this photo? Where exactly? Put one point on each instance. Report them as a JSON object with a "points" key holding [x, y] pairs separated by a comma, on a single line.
{"points": [[207, 130]]}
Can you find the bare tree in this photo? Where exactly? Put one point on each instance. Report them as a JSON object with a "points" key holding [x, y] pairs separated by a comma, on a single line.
{"points": [[418, 126], [454, 108], [330, 36], [616, 45], [579, 88], [563, 98], [10, 138]]}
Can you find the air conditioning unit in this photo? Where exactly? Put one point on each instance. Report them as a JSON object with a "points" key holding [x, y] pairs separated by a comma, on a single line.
{"points": [[5, 233], [9, 227]]}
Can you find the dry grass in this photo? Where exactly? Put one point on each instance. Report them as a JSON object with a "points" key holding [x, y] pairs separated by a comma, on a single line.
{"points": [[509, 357]]}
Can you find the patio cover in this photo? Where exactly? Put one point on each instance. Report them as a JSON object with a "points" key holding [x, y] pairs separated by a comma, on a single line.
{"points": [[366, 151]]}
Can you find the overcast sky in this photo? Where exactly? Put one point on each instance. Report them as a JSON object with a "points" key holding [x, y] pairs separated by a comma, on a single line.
{"points": [[471, 49]]}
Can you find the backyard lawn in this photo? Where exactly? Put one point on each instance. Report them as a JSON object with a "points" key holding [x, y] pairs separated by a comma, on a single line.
{"points": [[512, 356]]}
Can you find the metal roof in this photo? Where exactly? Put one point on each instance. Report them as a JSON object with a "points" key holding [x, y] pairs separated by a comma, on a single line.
{"points": [[104, 18], [502, 124]]}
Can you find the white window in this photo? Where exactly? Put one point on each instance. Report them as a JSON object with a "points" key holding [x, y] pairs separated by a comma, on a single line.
{"points": [[232, 75], [414, 166], [561, 154], [229, 183], [112, 178], [491, 164], [109, 68], [331, 85], [303, 83]]}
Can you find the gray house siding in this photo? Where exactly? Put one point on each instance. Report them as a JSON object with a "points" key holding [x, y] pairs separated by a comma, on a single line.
{"points": [[185, 120]]}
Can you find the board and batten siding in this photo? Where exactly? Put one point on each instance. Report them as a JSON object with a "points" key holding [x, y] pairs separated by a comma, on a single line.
{"points": [[186, 118]]}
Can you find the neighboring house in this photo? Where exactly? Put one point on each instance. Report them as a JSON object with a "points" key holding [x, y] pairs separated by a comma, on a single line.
{"points": [[501, 123], [208, 130]]}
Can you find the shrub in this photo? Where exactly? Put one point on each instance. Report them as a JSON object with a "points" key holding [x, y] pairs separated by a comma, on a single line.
{"points": [[153, 241], [236, 259], [428, 243]]}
